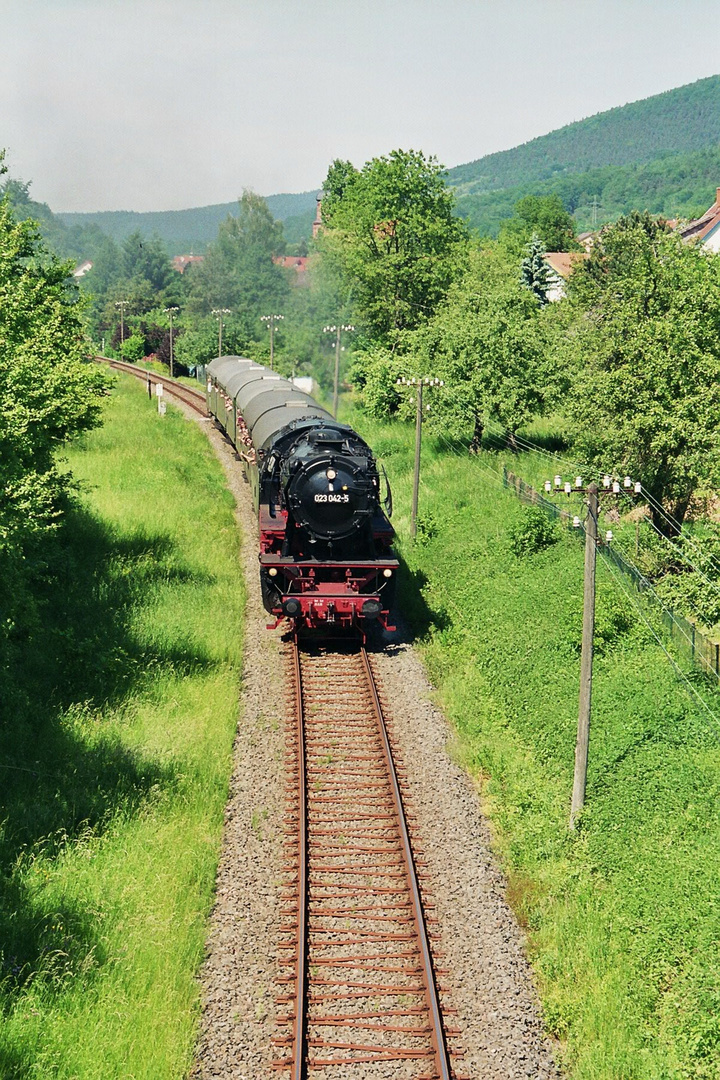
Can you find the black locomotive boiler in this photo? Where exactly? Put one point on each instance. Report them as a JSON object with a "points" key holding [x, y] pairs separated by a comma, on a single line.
{"points": [[326, 559]]}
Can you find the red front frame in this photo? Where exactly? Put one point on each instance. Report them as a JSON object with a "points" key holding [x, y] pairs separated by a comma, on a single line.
{"points": [[329, 594]]}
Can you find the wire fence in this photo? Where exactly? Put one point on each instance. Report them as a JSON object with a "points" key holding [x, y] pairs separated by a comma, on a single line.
{"points": [[690, 642]]}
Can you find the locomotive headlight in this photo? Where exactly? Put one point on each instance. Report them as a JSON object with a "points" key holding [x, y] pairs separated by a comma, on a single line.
{"points": [[273, 571], [387, 572], [331, 474]]}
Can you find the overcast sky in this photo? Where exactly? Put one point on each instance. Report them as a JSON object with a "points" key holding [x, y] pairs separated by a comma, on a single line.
{"points": [[166, 104]]}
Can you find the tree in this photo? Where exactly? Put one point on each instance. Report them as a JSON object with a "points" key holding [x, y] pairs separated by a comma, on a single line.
{"points": [[146, 260], [543, 216], [392, 236], [489, 342], [238, 271], [49, 393], [534, 271], [197, 343], [646, 344]]}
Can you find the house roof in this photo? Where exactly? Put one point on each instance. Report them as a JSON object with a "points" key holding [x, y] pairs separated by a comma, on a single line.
{"points": [[181, 262], [564, 262], [701, 227], [292, 262]]}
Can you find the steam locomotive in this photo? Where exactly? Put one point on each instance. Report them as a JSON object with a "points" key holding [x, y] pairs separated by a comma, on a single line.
{"points": [[326, 560]]}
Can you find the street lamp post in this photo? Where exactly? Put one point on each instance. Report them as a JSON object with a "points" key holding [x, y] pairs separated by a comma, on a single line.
{"points": [[271, 320], [337, 330], [218, 313], [170, 311]]}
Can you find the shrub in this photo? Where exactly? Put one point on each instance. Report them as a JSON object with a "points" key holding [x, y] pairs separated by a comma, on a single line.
{"points": [[133, 348], [533, 532]]}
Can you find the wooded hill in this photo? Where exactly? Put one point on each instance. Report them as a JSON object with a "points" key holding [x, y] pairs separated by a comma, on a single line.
{"points": [[675, 186], [677, 121], [660, 154], [192, 230]]}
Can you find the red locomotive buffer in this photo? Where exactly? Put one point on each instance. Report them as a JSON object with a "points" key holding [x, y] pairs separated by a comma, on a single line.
{"points": [[326, 559]]}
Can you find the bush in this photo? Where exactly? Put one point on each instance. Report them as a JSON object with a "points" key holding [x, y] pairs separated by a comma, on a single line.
{"points": [[533, 532], [133, 348]]}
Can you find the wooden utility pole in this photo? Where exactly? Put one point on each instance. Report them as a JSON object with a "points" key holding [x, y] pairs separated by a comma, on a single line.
{"points": [[417, 386], [122, 304], [610, 487], [416, 473], [586, 658], [219, 313], [170, 311], [271, 320], [337, 330]]}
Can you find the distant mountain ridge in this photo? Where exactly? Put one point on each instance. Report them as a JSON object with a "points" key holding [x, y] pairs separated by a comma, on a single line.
{"points": [[659, 154], [184, 230], [677, 121]]}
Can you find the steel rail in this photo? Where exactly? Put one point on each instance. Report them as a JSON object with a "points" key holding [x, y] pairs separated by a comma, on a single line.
{"points": [[193, 398], [425, 980], [300, 972], [438, 1031]]}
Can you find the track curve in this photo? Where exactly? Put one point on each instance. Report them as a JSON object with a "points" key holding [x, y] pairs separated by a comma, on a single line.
{"points": [[195, 399]]}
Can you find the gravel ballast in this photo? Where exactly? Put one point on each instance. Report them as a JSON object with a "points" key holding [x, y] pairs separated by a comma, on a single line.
{"points": [[489, 976]]}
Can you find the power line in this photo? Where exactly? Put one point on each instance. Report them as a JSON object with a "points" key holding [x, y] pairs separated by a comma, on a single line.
{"points": [[714, 723]]}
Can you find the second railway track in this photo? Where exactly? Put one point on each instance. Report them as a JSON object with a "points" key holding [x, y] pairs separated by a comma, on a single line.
{"points": [[362, 992]]}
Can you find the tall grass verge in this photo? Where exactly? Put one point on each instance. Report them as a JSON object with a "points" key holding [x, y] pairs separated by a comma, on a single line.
{"points": [[115, 755], [622, 918]]}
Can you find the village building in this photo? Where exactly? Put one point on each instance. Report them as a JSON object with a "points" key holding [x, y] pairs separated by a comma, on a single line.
{"points": [[705, 229], [181, 262], [561, 264]]}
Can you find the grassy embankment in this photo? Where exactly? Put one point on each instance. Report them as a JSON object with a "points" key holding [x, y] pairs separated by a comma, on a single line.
{"points": [[117, 758], [623, 919]]}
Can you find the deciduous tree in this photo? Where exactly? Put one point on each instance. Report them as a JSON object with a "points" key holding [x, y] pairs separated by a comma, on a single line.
{"points": [[546, 217], [490, 343], [238, 271], [48, 391], [392, 235], [646, 342]]}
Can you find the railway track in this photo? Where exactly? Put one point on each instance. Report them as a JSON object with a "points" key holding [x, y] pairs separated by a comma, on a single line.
{"points": [[360, 967], [195, 399]]}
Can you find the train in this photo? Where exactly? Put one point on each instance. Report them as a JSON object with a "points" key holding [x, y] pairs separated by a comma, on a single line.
{"points": [[326, 557]]}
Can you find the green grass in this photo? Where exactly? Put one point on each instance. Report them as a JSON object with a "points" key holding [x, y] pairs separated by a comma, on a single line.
{"points": [[116, 750], [623, 919]]}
